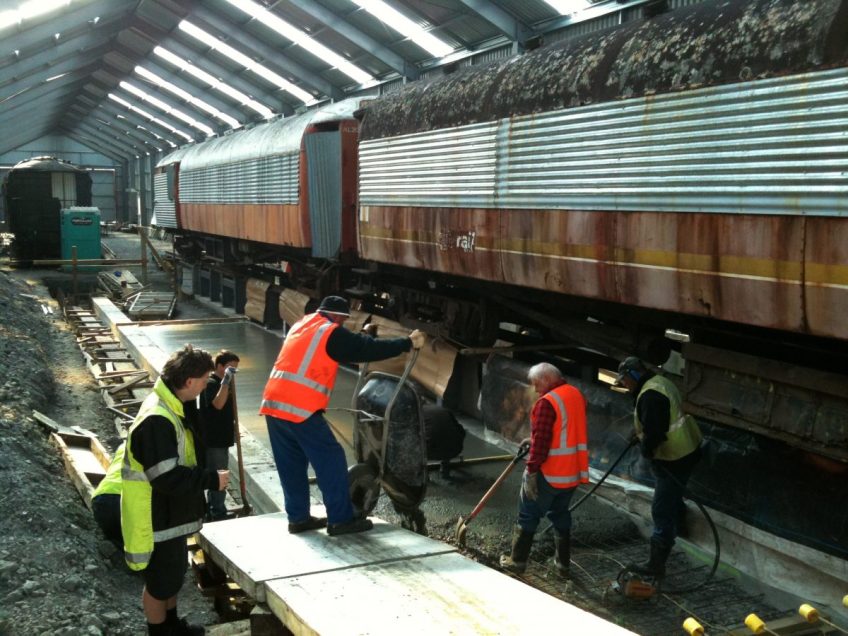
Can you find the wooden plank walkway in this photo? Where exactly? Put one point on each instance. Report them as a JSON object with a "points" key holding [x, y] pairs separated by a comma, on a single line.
{"points": [[386, 581]]}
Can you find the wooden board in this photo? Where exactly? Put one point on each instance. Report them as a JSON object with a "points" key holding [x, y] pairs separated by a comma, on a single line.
{"points": [[254, 550], [85, 459], [438, 594], [147, 305]]}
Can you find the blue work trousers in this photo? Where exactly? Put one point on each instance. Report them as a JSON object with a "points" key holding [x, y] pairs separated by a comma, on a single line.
{"points": [[551, 501], [295, 446], [667, 507]]}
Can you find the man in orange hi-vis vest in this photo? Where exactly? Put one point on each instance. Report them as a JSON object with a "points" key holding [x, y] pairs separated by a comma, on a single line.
{"points": [[293, 403], [558, 462]]}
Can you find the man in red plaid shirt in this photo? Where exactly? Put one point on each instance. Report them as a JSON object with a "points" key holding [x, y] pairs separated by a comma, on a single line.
{"points": [[558, 462]]}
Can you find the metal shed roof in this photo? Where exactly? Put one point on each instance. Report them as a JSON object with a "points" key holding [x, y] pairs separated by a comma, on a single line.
{"points": [[128, 77]]}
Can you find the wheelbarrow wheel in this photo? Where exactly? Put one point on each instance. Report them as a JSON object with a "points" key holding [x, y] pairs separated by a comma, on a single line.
{"points": [[364, 488]]}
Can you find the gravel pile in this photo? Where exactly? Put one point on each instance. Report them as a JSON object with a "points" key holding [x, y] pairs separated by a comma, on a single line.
{"points": [[57, 574]]}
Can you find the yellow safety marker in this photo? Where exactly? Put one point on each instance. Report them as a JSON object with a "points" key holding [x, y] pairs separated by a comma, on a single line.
{"points": [[811, 615], [845, 600], [756, 625], [693, 627]]}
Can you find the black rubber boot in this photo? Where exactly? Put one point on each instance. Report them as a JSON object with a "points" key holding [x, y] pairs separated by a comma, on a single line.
{"points": [[181, 627], [562, 557], [655, 565], [516, 560]]}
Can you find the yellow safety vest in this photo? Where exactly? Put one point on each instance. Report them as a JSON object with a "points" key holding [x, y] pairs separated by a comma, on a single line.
{"points": [[683, 435], [111, 482], [137, 494]]}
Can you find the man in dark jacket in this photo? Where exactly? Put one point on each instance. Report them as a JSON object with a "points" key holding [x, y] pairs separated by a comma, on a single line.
{"points": [[217, 427], [669, 438], [293, 403], [162, 490]]}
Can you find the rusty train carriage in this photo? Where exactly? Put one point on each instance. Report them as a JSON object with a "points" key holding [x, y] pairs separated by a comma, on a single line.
{"points": [[685, 171], [261, 185]]}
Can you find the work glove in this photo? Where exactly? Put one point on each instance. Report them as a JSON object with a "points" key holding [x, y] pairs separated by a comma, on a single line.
{"points": [[530, 485], [229, 374], [418, 338]]}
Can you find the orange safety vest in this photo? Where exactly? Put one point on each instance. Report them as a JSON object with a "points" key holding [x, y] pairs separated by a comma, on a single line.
{"points": [[303, 375], [567, 464]]}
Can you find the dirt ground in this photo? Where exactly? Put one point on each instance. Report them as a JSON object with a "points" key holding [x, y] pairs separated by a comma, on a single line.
{"points": [[57, 575]]}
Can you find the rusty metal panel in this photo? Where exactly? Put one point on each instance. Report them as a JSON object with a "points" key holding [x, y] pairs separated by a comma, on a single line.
{"points": [[780, 272], [769, 147], [273, 224], [826, 274], [804, 407]]}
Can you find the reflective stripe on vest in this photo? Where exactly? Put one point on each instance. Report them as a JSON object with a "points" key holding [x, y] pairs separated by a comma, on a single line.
{"points": [[683, 434], [567, 464], [137, 494], [303, 375]]}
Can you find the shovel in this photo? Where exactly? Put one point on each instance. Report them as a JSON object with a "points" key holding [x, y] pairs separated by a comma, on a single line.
{"points": [[245, 510], [462, 524]]}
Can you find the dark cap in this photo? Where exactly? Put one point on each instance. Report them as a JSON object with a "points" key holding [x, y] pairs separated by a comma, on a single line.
{"points": [[335, 305], [631, 366]]}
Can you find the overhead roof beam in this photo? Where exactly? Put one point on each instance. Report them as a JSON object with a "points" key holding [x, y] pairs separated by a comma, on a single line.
{"points": [[92, 144], [99, 94], [168, 101], [144, 133], [123, 145], [103, 9], [212, 22], [115, 109], [511, 27], [71, 66], [56, 56], [20, 137], [206, 93], [118, 154], [595, 11], [120, 128], [370, 45], [63, 86], [254, 87]]}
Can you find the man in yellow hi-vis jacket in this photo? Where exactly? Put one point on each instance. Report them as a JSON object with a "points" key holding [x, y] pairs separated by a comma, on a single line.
{"points": [[162, 493]]}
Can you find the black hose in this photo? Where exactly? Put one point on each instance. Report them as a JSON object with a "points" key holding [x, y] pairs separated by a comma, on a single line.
{"points": [[633, 442], [572, 508], [717, 543]]}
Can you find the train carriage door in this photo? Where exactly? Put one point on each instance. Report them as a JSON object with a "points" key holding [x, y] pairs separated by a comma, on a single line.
{"points": [[324, 179]]}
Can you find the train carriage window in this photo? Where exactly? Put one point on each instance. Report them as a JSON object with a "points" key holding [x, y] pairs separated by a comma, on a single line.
{"points": [[170, 171]]}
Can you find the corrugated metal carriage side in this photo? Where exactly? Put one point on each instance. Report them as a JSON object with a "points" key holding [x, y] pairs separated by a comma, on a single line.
{"points": [[252, 185], [690, 164]]}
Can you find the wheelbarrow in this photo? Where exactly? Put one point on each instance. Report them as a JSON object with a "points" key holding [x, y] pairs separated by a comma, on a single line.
{"points": [[389, 445]]}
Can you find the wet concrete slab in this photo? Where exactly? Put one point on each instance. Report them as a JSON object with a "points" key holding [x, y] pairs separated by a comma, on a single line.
{"points": [[255, 550]]}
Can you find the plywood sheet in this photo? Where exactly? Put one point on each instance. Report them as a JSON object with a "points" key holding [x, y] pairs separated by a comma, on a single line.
{"points": [[254, 306], [434, 366]]}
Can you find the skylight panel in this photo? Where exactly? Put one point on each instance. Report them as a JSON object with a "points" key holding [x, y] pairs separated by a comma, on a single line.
{"points": [[158, 103], [214, 82], [569, 7], [150, 117], [188, 97], [405, 26], [302, 39], [29, 10], [242, 59]]}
